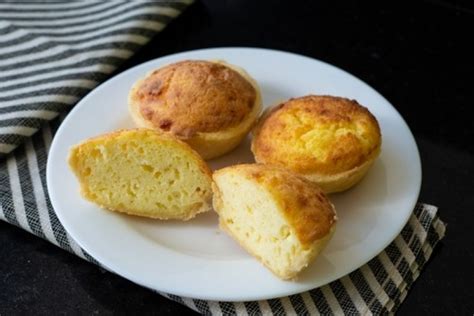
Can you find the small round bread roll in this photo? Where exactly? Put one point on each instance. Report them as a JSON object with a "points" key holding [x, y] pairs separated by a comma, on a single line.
{"points": [[331, 141], [209, 105], [281, 218], [142, 172]]}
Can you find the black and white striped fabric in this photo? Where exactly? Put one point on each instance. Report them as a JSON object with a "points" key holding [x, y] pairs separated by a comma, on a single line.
{"points": [[53, 53], [378, 287]]}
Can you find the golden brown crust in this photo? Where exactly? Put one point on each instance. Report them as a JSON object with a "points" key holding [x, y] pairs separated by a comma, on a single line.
{"points": [[192, 97], [303, 203], [317, 134]]}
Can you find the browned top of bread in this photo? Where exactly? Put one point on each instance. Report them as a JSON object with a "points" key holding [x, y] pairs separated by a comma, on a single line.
{"points": [[303, 204], [194, 96], [322, 134]]}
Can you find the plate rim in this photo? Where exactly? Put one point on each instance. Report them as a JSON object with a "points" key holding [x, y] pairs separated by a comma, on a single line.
{"points": [[242, 297]]}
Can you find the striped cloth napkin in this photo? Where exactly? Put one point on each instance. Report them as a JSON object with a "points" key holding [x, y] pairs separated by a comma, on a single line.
{"points": [[53, 54], [376, 288]]}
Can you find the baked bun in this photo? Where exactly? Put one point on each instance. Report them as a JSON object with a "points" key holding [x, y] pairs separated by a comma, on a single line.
{"points": [[142, 172], [281, 218], [209, 105], [330, 140]]}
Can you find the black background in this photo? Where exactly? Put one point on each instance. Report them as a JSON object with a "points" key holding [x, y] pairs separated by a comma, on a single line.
{"points": [[417, 54]]}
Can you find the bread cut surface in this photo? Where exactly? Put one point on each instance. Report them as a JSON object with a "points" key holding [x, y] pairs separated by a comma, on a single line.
{"points": [[209, 105], [142, 172], [330, 140], [281, 218]]}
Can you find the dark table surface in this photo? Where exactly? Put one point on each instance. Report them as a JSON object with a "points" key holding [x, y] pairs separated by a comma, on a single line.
{"points": [[418, 55]]}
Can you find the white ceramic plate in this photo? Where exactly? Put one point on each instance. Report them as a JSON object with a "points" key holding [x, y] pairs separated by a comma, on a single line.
{"points": [[194, 258]]}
